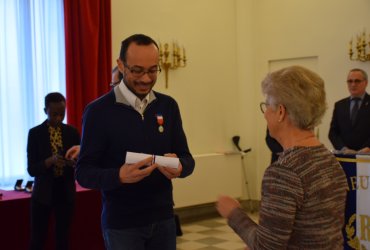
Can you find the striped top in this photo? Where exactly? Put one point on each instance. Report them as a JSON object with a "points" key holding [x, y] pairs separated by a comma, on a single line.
{"points": [[302, 206]]}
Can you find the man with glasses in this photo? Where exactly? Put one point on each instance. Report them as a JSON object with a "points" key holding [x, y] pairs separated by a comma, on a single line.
{"points": [[137, 198], [116, 77], [350, 125], [274, 146]]}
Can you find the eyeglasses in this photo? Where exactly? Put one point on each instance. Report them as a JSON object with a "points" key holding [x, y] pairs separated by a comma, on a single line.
{"points": [[263, 106], [357, 81], [137, 71], [113, 84]]}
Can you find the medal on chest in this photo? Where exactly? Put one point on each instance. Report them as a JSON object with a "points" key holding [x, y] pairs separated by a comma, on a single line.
{"points": [[160, 122]]}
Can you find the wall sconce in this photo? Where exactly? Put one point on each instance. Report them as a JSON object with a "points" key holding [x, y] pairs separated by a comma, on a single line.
{"points": [[360, 49], [171, 59]]}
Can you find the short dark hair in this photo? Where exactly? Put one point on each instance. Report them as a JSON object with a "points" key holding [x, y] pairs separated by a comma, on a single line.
{"points": [[54, 97], [139, 39]]}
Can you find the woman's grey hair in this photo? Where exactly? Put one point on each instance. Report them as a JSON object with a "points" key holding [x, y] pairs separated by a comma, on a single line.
{"points": [[301, 91]]}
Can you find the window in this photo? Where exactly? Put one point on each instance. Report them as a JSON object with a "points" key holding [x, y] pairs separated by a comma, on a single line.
{"points": [[32, 64]]}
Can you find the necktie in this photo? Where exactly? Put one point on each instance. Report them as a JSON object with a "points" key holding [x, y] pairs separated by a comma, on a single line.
{"points": [[355, 108]]}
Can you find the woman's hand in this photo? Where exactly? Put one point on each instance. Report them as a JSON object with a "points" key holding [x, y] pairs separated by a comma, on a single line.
{"points": [[225, 205]]}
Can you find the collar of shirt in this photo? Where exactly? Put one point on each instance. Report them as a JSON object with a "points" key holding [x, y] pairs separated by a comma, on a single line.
{"points": [[361, 97], [140, 105], [133, 100]]}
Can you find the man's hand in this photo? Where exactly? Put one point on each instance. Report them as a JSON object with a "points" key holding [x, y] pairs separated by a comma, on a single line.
{"points": [[171, 173], [73, 152], [132, 173], [55, 160], [364, 150], [348, 151], [225, 205]]}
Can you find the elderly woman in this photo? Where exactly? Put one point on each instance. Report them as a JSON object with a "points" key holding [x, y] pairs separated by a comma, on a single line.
{"points": [[304, 191]]}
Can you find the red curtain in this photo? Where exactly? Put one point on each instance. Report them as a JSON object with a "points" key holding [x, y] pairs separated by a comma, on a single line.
{"points": [[88, 54]]}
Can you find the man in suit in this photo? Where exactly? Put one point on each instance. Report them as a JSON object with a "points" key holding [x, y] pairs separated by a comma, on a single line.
{"points": [[116, 76], [350, 125], [274, 146], [54, 186]]}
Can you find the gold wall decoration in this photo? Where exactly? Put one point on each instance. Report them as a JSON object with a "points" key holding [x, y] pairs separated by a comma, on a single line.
{"points": [[361, 48], [171, 57]]}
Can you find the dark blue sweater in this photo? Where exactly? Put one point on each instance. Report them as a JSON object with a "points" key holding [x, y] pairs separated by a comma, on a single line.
{"points": [[111, 128]]}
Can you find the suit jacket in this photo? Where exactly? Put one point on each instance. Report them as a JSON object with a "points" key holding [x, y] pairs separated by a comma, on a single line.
{"points": [[39, 149], [274, 146], [342, 133]]}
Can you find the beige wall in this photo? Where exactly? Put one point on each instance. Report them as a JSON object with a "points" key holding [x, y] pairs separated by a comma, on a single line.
{"points": [[291, 29], [230, 46], [207, 84]]}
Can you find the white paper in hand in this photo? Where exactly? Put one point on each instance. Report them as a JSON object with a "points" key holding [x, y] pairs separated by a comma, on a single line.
{"points": [[169, 162], [132, 157], [163, 161]]}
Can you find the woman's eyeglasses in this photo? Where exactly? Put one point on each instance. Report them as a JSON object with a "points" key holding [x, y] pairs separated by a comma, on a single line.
{"points": [[263, 106]]}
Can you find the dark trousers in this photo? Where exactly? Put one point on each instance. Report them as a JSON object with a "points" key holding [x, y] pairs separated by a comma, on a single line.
{"points": [[156, 236], [178, 225], [40, 216]]}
